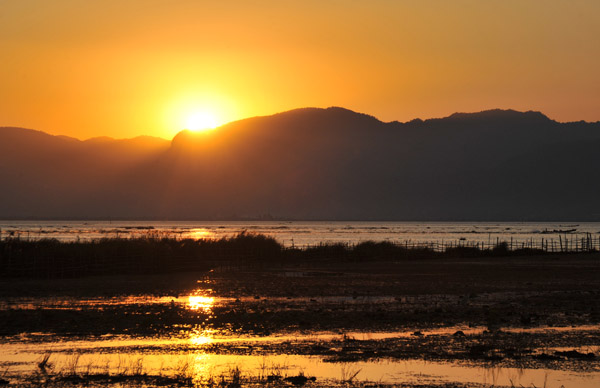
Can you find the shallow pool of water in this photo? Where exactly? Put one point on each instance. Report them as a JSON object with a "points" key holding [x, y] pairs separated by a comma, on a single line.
{"points": [[117, 355]]}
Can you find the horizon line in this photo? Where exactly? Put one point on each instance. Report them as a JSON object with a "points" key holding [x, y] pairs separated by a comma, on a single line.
{"points": [[304, 108]]}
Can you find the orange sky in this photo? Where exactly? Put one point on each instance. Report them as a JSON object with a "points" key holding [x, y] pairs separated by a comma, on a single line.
{"points": [[124, 68]]}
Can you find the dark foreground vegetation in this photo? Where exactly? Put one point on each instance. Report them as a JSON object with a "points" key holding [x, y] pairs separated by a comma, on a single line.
{"points": [[50, 258], [156, 254], [234, 378]]}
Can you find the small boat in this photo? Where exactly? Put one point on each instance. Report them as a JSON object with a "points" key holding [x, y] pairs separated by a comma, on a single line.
{"points": [[546, 231]]}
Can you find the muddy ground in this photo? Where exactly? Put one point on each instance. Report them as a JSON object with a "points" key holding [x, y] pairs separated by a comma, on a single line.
{"points": [[498, 296], [374, 296]]}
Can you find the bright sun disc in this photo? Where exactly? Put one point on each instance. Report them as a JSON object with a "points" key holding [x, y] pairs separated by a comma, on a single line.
{"points": [[201, 121]]}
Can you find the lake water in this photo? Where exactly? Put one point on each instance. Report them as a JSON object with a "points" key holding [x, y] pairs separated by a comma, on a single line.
{"points": [[301, 234]]}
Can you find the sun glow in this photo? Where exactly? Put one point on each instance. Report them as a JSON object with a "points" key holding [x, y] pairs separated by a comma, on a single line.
{"points": [[198, 111], [201, 121]]}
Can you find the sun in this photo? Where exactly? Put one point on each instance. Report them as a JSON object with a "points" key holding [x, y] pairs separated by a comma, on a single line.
{"points": [[201, 121], [199, 112]]}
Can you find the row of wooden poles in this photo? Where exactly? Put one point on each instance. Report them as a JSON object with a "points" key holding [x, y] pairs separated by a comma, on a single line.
{"points": [[580, 242]]}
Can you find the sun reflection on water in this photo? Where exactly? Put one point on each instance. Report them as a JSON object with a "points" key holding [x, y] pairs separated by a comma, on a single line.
{"points": [[202, 368], [203, 303], [200, 340], [201, 234]]}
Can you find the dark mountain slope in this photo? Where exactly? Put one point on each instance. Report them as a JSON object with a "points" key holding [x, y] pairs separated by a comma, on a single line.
{"points": [[320, 164], [57, 176]]}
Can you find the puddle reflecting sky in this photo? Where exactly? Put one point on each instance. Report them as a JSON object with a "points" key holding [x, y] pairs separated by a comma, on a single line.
{"points": [[172, 355], [202, 366]]}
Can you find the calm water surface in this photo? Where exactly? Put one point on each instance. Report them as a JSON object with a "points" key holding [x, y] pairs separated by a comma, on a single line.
{"points": [[298, 233], [115, 355], [164, 355]]}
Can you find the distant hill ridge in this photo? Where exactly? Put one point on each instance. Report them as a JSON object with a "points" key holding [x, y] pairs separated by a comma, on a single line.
{"points": [[313, 163], [501, 114]]}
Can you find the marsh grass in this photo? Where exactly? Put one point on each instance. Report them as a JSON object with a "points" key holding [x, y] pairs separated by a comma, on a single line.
{"points": [[349, 373], [49, 258], [44, 365], [132, 372], [126, 372], [160, 254]]}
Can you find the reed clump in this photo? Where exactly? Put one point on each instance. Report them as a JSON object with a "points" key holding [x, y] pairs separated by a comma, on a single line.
{"points": [[158, 254], [50, 258], [133, 372]]}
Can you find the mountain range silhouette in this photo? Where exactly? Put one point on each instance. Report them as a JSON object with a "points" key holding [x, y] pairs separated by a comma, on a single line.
{"points": [[314, 164]]}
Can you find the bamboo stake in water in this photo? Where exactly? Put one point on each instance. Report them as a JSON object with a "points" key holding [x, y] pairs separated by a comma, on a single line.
{"points": [[561, 244]]}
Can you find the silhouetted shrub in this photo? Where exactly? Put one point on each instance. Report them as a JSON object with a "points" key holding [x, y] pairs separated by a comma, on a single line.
{"points": [[501, 249]]}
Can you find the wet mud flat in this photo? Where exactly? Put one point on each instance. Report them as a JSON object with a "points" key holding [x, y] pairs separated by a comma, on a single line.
{"points": [[492, 292], [521, 313]]}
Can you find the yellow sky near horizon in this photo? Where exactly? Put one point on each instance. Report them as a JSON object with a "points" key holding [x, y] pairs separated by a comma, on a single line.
{"points": [[143, 67]]}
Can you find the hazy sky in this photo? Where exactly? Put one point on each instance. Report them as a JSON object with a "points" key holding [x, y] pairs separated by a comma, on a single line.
{"points": [[125, 68]]}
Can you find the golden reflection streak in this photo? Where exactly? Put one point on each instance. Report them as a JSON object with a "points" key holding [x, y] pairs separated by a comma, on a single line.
{"points": [[202, 369], [203, 303], [201, 234], [200, 340]]}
